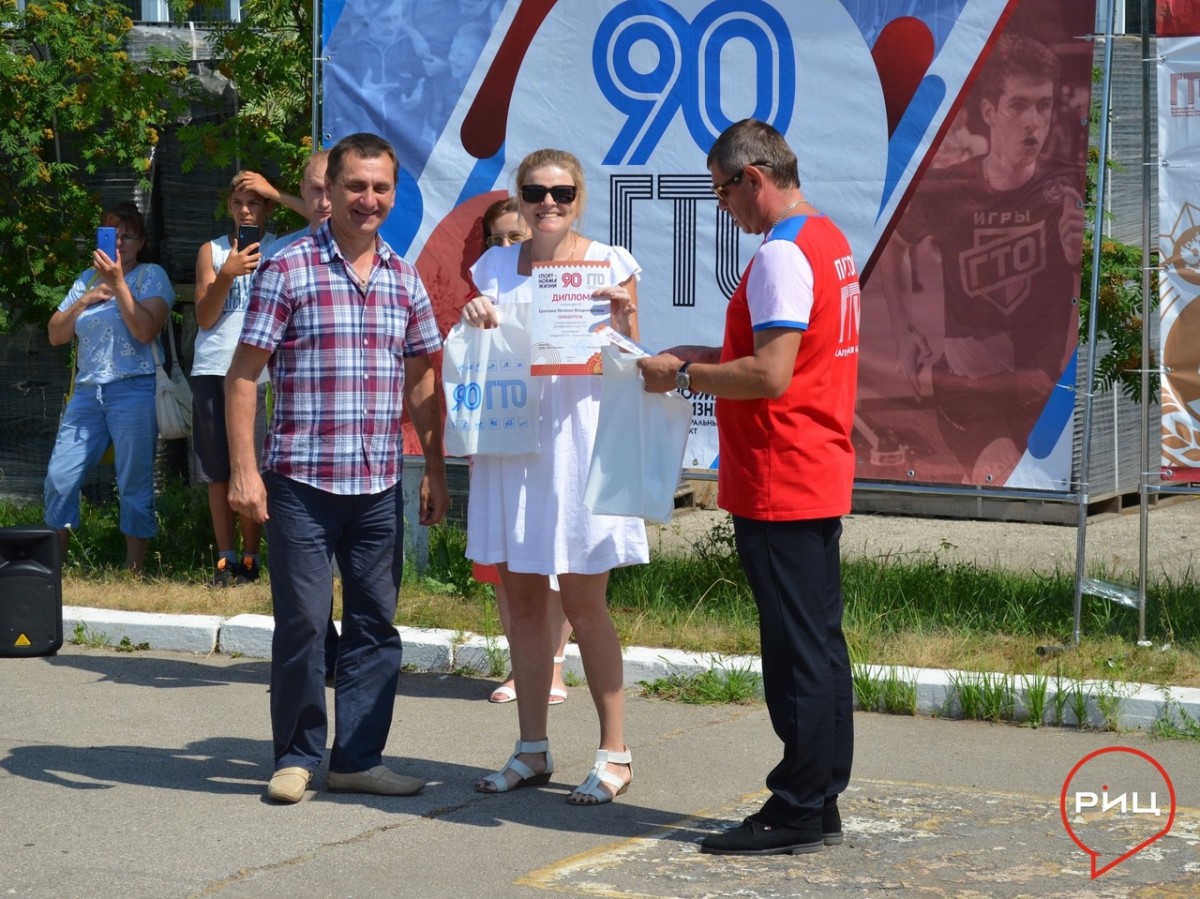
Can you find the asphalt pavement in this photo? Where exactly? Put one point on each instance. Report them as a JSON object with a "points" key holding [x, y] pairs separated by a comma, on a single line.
{"points": [[142, 775]]}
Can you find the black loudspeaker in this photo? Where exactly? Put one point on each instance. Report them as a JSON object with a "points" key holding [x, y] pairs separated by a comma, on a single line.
{"points": [[31, 620]]}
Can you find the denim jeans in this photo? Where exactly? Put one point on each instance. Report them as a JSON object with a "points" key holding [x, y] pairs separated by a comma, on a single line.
{"points": [[120, 413], [306, 529]]}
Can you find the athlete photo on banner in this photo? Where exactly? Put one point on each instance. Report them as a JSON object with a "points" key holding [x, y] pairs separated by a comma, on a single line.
{"points": [[876, 96], [970, 315]]}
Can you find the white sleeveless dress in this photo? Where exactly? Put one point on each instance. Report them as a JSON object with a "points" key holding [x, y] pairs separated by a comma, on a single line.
{"points": [[528, 511]]}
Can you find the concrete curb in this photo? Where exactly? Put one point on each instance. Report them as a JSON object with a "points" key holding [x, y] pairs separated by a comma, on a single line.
{"points": [[1129, 705]]}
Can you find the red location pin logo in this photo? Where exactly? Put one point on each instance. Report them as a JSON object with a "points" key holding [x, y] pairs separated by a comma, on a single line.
{"points": [[1104, 799]]}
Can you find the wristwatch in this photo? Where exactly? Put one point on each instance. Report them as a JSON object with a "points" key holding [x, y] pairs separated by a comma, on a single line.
{"points": [[683, 380]]}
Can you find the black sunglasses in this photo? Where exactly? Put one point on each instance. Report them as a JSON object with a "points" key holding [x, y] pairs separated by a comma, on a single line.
{"points": [[498, 240], [719, 189], [536, 193]]}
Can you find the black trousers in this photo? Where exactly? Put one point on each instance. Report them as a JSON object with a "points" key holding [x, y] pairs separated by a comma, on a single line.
{"points": [[794, 571]]}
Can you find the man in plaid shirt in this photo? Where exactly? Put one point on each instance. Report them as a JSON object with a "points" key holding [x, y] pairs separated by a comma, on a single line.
{"points": [[347, 330]]}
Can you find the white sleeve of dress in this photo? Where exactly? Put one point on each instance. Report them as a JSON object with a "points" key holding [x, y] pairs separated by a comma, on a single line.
{"points": [[624, 266], [485, 276]]}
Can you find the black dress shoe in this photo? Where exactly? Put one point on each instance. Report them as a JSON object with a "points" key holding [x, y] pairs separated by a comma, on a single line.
{"points": [[753, 837], [831, 824]]}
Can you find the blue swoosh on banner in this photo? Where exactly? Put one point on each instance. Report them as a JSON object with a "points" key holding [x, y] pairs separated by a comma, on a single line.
{"points": [[404, 222], [405, 218], [1057, 413], [485, 175], [910, 132]]}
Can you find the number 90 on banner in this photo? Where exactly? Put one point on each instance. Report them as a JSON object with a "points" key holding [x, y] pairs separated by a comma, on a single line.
{"points": [[650, 63]]}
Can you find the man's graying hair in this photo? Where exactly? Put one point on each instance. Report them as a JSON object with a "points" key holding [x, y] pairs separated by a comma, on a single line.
{"points": [[751, 142]]}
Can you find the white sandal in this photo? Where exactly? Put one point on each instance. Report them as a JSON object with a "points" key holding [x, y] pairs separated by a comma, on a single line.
{"points": [[600, 775], [558, 695], [505, 692], [529, 778]]}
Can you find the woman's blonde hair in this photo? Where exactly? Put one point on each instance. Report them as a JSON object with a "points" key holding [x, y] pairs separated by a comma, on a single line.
{"points": [[563, 160]]}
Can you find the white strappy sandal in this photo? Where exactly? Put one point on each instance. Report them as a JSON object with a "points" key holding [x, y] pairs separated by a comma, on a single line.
{"points": [[529, 778], [600, 775], [558, 695]]}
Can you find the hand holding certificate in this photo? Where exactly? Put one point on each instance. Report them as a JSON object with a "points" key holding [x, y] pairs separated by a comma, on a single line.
{"points": [[568, 322]]}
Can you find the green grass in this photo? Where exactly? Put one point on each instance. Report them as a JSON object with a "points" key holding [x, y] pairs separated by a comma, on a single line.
{"points": [[717, 684], [922, 614]]}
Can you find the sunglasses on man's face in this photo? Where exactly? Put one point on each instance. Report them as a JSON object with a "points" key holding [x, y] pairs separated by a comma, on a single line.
{"points": [[719, 189], [507, 237], [536, 193]]}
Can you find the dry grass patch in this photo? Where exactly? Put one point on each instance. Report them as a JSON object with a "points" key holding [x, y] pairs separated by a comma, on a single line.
{"points": [[121, 590]]}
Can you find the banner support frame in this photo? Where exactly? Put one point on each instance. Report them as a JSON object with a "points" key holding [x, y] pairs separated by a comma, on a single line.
{"points": [[315, 133], [1097, 234], [1144, 437]]}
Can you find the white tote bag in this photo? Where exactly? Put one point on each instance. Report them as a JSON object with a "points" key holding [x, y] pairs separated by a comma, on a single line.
{"points": [[491, 399], [172, 396], [640, 441]]}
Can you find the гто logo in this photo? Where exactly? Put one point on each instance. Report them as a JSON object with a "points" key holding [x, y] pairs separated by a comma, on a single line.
{"points": [[1115, 798]]}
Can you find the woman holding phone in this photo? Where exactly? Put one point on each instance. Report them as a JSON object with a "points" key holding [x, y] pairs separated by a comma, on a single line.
{"points": [[225, 266], [116, 309]]}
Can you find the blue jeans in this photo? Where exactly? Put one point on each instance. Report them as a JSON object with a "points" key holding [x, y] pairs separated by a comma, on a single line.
{"points": [[306, 529], [120, 413]]}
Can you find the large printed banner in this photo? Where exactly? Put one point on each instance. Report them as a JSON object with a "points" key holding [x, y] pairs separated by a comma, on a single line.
{"points": [[1179, 247], [946, 137]]}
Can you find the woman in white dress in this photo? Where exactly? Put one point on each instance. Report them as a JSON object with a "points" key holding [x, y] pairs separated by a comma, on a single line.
{"points": [[526, 513]]}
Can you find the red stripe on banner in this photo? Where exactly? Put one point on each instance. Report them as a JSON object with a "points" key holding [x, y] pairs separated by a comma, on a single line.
{"points": [[919, 174], [902, 54], [486, 124]]}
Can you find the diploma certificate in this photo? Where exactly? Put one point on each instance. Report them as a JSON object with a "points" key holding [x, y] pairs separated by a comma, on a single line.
{"points": [[567, 324]]}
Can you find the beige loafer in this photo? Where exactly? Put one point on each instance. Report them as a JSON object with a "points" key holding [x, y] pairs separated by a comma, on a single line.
{"points": [[289, 784], [379, 780]]}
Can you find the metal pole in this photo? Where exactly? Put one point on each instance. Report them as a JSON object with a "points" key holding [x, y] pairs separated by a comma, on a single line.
{"points": [[1097, 234], [1144, 498], [316, 74]]}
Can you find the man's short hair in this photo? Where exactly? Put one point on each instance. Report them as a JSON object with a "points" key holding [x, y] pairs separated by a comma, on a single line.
{"points": [[317, 156], [365, 145], [752, 142], [1016, 54]]}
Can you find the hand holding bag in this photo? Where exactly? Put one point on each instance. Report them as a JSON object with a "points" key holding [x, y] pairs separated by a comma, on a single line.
{"points": [[172, 396], [640, 441], [491, 399]]}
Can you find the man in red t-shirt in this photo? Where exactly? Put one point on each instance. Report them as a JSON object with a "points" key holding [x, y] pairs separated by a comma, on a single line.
{"points": [[785, 381]]}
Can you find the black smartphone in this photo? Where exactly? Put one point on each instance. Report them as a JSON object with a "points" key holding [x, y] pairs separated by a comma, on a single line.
{"points": [[106, 241], [248, 235]]}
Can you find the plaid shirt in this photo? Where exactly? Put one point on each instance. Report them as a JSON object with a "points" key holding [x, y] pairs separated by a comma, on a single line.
{"points": [[337, 362]]}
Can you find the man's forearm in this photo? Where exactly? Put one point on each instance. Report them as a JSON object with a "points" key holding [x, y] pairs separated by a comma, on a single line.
{"points": [[241, 400], [241, 405], [696, 353], [425, 413]]}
